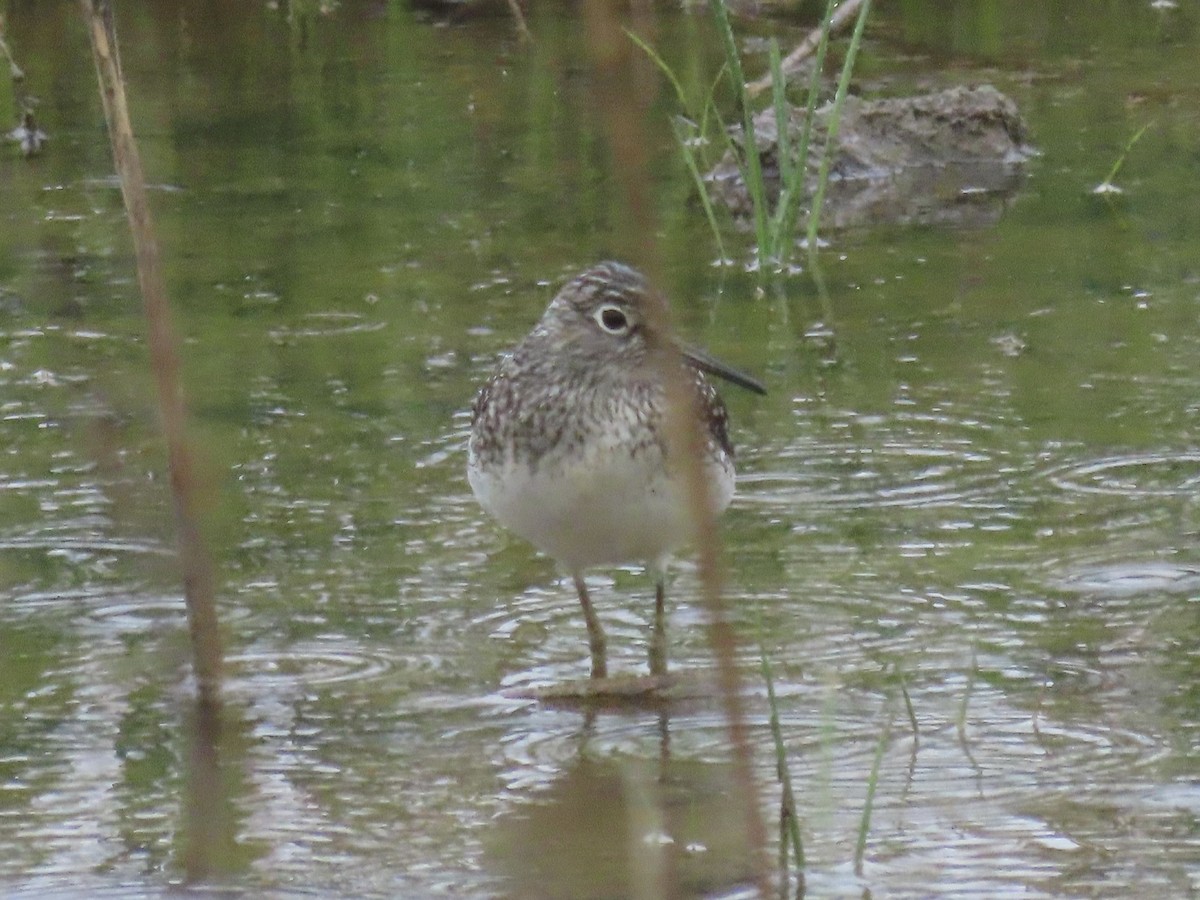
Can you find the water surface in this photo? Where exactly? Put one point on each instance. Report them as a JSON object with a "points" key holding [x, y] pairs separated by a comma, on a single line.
{"points": [[975, 476]]}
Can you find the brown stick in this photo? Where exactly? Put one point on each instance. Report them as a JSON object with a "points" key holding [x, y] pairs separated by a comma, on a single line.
{"points": [[206, 827], [623, 101], [164, 355], [840, 19]]}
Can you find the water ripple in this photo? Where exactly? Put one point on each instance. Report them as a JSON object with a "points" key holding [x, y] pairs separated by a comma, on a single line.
{"points": [[1128, 578], [1148, 474], [907, 461], [60, 543], [327, 324], [329, 660]]}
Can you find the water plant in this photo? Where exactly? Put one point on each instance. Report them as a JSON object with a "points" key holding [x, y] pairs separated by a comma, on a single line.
{"points": [[774, 218], [789, 818], [864, 822], [1108, 186], [835, 115]]}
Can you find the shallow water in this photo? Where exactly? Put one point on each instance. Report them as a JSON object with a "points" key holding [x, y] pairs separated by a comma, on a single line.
{"points": [[974, 478]]}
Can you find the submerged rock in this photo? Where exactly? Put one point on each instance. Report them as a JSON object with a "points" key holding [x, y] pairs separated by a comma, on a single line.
{"points": [[951, 157]]}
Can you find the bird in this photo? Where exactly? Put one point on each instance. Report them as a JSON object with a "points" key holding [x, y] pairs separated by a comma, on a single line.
{"points": [[568, 445]]}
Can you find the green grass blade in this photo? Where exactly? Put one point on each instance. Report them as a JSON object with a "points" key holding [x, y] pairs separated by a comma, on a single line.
{"points": [[710, 104], [780, 240], [1112, 173], [908, 706], [685, 146], [960, 723], [664, 68], [790, 820], [689, 159], [789, 203], [779, 100], [864, 824], [834, 119], [752, 164]]}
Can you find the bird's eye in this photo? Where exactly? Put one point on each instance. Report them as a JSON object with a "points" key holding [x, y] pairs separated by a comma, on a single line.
{"points": [[612, 319]]}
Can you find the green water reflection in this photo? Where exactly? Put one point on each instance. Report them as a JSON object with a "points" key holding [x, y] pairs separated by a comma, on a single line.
{"points": [[976, 466]]}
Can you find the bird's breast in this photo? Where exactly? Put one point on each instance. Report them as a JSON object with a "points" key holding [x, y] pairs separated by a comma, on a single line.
{"points": [[598, 501]]}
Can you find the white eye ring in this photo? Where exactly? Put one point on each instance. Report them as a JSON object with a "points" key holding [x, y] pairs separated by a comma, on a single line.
{"points": [[612, 319]]}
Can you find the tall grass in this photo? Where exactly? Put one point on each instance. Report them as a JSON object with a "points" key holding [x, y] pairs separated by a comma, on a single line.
{"points": [[774, 218], [835, 117], [793, 173], [751, 161]]}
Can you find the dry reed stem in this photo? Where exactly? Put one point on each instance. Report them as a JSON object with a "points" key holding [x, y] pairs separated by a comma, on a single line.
{"points": [[164, 354], [205, 824], [624, 99]]}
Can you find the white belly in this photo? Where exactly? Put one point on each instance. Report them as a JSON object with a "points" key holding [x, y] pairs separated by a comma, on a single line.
{"points": [[605, 507]]}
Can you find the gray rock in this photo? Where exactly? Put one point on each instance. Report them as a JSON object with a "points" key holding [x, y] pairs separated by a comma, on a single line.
{"points": [[951, 157]]}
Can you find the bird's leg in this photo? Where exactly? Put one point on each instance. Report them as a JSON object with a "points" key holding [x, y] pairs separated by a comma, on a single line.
{"points": [[658, 638], [597, 643]]}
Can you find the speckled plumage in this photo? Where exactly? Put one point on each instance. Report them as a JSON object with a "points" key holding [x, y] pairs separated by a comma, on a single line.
{"points": [[567, 445]]}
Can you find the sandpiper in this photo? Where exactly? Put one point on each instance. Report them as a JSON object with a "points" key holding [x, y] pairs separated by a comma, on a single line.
{"points": [[567, 445]]}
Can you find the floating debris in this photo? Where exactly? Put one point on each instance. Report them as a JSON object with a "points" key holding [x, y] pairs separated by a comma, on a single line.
{"points": [[31, 138]]}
